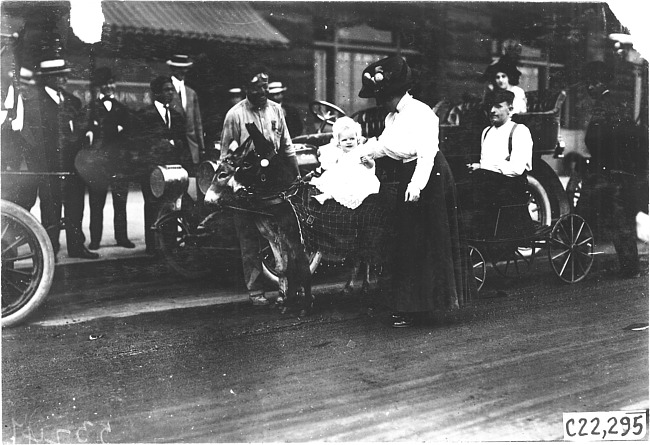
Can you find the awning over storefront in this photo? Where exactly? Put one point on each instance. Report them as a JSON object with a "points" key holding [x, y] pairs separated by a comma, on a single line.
{"points": [[232, 22]]}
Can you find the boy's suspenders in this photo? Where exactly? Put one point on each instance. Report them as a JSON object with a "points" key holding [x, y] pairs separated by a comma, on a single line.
{"points": [[509, 139]]}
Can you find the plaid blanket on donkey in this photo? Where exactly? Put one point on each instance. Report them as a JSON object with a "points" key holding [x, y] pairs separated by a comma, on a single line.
{"points": [[333, 229]]}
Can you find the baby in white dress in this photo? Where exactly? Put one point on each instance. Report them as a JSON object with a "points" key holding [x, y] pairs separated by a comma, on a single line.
{"points": [[348, 177]]}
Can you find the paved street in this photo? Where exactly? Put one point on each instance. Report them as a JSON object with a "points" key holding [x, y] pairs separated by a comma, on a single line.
{"points": [[122, 367]]}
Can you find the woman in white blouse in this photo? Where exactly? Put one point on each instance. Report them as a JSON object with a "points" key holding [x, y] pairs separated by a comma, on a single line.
{"points": [[429, 266]]}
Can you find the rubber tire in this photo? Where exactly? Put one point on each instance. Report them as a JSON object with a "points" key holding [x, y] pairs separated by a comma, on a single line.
{"points": [[541, 196], [42, 247]]}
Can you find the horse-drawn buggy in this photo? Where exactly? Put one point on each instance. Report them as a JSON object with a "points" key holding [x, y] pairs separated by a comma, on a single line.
{"points": [[192, 234]]}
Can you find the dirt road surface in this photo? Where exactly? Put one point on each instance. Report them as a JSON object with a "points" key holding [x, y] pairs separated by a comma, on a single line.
{"points": [[503, 368]]}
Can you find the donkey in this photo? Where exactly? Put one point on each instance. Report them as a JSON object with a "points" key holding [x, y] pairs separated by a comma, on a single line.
{"points": [[255, 179]]}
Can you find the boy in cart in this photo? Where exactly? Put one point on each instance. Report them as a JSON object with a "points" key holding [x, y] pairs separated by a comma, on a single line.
{"points": [[499, 179]]}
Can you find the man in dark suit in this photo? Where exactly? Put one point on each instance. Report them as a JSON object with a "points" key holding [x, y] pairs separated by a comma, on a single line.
{"points": [[52, 119], [608, 197], [186, 103], [161, 138], [16, 188], [107, 129], [291, 114]]}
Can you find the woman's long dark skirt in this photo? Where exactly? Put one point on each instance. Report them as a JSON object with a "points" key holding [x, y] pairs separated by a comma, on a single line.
{"points": [[430, 264]]}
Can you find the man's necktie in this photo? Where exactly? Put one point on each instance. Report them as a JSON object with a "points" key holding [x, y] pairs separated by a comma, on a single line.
{"points": [[168, 120], [180, 96]]}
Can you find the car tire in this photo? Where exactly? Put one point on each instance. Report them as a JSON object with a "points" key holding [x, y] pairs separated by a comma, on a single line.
{"points": [[24, 240]]}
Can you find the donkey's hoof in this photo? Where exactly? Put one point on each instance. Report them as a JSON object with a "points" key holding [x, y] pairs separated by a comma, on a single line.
{"points": [[365, 289]]}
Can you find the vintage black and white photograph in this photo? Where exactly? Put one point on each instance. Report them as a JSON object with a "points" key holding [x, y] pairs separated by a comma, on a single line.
{"points": [[324, 221]]}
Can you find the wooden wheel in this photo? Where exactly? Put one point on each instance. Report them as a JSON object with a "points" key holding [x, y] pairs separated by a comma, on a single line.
{"points": [[478, 266], [571, 248], [27, 264]]}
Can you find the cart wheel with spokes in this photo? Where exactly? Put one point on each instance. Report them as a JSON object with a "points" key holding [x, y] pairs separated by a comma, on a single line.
{"points": [[27, 264], [179, 248], [571, 248], [478, 266], [514, 260], [325, 112]]}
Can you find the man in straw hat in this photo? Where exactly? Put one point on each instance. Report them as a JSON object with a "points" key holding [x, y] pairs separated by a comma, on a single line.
{"points": [[186, 103], [291, 115], [53, 117]]}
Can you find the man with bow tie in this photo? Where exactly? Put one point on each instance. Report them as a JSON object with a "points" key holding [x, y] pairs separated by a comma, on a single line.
{"points": [[160, 138], [107, 131]]}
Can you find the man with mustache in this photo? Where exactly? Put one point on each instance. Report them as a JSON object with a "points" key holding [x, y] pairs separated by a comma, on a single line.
{"points": [[268, 117], [506, 155]]}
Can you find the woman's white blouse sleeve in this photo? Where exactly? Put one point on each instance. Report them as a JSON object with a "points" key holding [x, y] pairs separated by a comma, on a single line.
{"points": [[412, 133], [426, 148]]}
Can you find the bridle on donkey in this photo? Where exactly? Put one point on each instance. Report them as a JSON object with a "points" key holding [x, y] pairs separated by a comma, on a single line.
{"points": [[264, 152]]}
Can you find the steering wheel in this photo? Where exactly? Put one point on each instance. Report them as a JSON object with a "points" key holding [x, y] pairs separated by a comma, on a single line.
{"points": [[325, 112]]}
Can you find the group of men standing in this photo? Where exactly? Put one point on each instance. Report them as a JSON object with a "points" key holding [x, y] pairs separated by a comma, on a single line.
{"points": [[42, 135], [54, 148]]}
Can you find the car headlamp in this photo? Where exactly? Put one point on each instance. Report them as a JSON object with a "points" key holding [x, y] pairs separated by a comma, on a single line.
{"points": [[169, 182], [205, 174]]}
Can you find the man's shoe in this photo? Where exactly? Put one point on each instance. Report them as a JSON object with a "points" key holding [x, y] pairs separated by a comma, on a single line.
{"points": [[93, 246], [402, 321], [84, 253], [126, 243], [259, 300]]}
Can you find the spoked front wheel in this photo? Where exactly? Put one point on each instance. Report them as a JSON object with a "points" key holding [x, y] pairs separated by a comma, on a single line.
{"points": [[27, 264], [571, 248], [179, 247], [478, 266]]}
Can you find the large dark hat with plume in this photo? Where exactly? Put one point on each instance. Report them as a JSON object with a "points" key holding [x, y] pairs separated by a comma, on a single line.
{"points": [[506, 64], [385, 77]]}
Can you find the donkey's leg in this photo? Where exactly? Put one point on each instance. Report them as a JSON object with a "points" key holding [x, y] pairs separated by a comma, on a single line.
{"points": [[298, 272], [303, 277], [354, 271], [270, 231]]}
